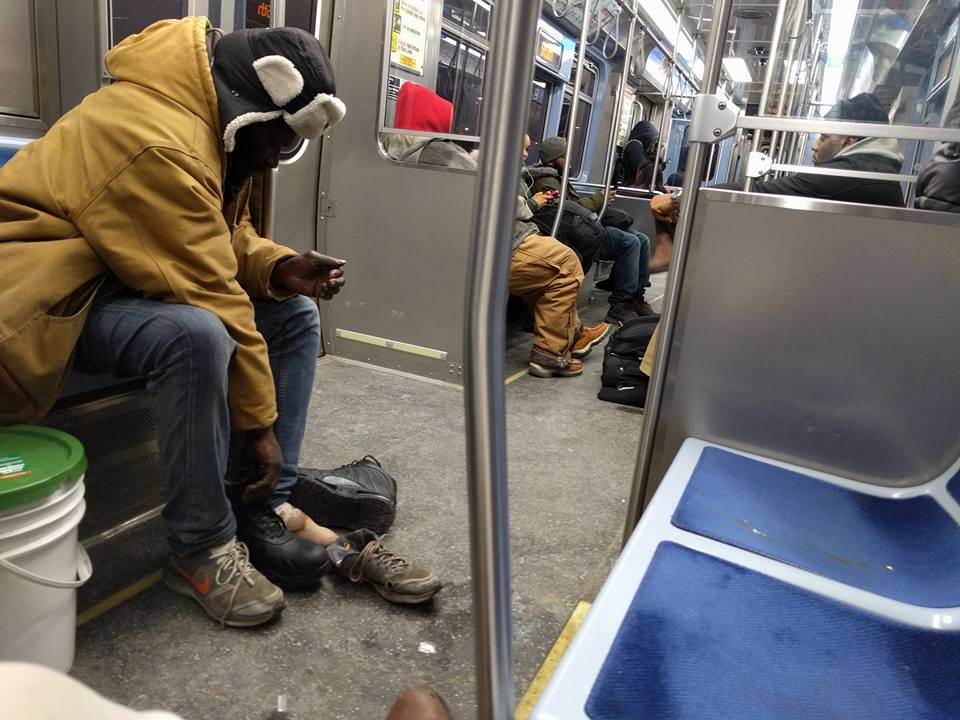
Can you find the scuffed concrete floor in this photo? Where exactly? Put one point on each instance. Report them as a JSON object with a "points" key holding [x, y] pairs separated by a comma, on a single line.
{"points": [[341, 651]]}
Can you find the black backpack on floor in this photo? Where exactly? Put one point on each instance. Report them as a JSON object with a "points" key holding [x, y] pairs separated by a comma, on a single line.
{"points": [[622, 380]]}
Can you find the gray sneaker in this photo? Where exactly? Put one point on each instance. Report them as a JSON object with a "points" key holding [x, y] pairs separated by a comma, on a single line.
{"points": [[227, 586], [392, 576]]}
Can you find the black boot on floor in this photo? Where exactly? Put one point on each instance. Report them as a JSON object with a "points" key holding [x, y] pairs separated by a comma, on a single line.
{"points": [[285, 559]]}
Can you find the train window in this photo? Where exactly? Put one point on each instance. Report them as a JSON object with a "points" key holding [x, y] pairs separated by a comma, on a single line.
{"points": [[472, 16], [460, 80], [588, 85], [131, 16], [537, 117]]}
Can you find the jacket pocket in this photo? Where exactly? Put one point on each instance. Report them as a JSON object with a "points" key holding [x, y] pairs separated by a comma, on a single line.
{"points": [[35, 359]]}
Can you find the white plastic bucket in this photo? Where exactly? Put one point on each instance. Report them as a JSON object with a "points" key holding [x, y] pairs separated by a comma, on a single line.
{"points": [[41, 566]]}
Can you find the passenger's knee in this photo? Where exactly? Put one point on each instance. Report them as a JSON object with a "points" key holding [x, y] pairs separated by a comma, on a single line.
{"points": [[570, 264], [202, 334], [303, 314]]}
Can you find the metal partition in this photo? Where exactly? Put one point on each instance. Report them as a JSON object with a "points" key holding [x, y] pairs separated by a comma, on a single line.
{"points": [[818, 333]]}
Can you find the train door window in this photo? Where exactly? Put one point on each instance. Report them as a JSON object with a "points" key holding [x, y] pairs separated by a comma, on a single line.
{"points": [[584, 112], [537, 115]]}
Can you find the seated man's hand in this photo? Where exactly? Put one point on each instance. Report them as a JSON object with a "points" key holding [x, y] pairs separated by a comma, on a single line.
{"points": [[611, 194], [262, 451], [310, 274], [543, 197], [663, 209]]}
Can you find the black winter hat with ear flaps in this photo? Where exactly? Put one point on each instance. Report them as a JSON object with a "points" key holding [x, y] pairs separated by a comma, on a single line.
{"points": [[263, 74]]}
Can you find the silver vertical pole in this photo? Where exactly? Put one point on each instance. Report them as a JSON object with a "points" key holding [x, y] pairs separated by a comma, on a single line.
{"points": [[666, 119], [696, 164], [618, 108], [508, 76], [786, 94], [574, 107], [768, 80]]}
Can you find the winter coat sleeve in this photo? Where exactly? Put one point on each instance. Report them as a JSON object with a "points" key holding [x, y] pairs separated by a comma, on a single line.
{"points": [[547, 182], [593, 202], [159, 227], [256, 258]]}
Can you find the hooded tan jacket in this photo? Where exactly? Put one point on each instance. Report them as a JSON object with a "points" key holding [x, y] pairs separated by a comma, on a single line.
{"points": [[129, 184]]}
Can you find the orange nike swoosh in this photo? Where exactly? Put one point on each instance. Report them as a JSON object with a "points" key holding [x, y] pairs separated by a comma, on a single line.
{"points": [[202, 586]]}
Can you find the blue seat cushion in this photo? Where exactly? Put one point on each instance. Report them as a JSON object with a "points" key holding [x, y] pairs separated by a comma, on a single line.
{"points": [[904, 549], [6, 154], [704, 639], [954, 487]]}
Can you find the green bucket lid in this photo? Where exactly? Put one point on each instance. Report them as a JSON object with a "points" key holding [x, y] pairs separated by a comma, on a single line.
{"points": [[35, 462]]}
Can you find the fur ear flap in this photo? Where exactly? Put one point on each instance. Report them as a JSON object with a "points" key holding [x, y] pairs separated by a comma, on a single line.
{"points": [[250, 118], [312, 119], [279, 77]]}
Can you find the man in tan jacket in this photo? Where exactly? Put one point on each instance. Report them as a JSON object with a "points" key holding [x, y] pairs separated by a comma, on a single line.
{"points": [[127, 248]]}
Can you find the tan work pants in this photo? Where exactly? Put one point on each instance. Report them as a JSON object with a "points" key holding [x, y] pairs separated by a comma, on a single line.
{"points": [[547, 275]]}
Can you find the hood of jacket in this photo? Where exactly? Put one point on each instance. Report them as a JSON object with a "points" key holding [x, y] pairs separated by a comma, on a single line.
{"points": [[889, 148], [180, 48]]}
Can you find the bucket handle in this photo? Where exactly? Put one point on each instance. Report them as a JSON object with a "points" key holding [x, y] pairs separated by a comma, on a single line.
{"points": [[84, 571]]}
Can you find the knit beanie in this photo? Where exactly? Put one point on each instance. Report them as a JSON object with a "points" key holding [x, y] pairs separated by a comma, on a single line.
{"points": [[552, 148], [266, 73], [646, 132], [420, 108], [864, 107]]}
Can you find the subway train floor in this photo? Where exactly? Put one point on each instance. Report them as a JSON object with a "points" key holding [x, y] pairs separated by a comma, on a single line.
{"points": [[340, 651]]}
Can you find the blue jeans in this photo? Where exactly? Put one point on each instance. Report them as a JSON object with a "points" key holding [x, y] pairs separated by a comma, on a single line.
{"points": [[184, 352], [630, 252]]}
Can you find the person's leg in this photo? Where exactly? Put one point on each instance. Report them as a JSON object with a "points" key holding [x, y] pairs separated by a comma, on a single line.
{"points": [[623, 248], [640, 305], [548, 275], [292, 331], [183, 352]]}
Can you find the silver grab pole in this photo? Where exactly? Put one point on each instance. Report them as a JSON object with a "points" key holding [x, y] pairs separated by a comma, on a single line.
{"points": [[696, 163], [508, 77], [618, 107], [666, 119], [786, 93], [572, 117], [767, 80]]}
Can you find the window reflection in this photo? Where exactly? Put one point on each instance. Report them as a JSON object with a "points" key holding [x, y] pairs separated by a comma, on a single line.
{"points": [[460, 80], [470, 15]]}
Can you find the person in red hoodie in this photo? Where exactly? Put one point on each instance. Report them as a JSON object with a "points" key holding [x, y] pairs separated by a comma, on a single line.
{"points": [[421, 109]]}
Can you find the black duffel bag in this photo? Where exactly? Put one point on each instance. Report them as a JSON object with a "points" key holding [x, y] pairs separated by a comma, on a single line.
{"points": [[579, 229], [616, 218], [621, 379]]}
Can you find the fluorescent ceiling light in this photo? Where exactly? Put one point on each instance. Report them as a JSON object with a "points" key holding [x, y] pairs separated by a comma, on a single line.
{"points": [[737, 69]]}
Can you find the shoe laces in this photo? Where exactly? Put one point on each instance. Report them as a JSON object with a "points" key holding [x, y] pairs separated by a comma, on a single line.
{"points": [[233, 566], [362, 461], [376, 554], [267, 520]]}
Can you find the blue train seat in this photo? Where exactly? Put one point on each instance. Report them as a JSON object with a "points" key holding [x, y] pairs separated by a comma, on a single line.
{"points": [[756, 589]]}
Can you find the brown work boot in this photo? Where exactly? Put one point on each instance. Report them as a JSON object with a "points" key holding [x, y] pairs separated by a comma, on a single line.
{"points": [[588, 337], [419, 704], [361, 556], [545, 365]]}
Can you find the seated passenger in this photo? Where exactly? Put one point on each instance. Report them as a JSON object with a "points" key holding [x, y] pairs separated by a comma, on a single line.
{"points": [[129, 250], [846, 152], [420, 108], [629, 250], [638, 161], [547, 276], [938, 183]]}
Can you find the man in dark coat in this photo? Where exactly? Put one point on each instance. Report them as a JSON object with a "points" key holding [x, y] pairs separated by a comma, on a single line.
{"points": [[847, 152], [938, 185]]}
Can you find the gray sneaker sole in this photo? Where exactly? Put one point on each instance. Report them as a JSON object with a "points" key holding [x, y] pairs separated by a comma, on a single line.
{"points": [[182, 587], [405, 598]]}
